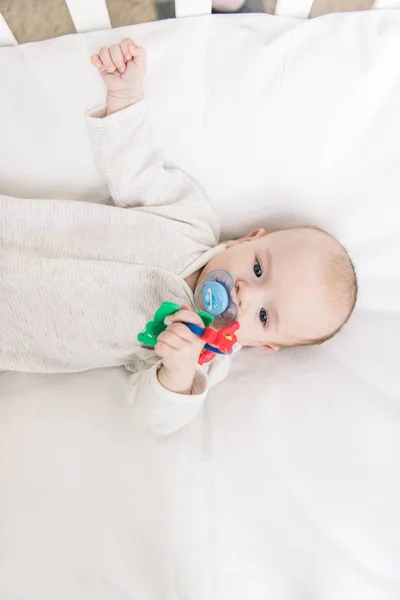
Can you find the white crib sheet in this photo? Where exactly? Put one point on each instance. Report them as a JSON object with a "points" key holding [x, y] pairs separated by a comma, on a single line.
{"points": [[286, 486]]}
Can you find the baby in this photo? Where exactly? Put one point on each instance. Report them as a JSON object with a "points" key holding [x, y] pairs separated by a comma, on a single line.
{"points": [[79, 281]]}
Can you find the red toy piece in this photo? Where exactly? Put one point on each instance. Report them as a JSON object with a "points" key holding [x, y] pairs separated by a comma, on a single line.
{"points": [[205, 356], [223, 340]]}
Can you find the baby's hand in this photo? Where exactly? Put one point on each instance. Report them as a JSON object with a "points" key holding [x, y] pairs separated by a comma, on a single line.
{"points": [[122, 67], [179, 349]]}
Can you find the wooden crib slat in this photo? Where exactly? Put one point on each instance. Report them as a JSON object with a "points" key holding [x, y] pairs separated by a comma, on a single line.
{"points": [[6, 36], [386, 4], [89, 15], [191, 8], [298, 9]]}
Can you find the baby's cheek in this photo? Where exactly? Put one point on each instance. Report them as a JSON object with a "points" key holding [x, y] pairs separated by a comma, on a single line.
{"points": [[242, 334], [250, 333]]}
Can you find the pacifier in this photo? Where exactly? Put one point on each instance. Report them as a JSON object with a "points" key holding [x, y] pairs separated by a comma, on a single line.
{"points": [[213, 296]]}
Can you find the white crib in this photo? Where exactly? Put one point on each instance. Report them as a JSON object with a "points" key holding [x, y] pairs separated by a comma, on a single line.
{"points": [[92, 15], [286, 486]]}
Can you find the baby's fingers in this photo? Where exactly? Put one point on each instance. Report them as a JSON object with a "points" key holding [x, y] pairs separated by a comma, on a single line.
{"points": [[105, 58], [118, 57], [177, 336], [139, 55], [96, 61], [127, 46], [186, 315], [168, 345]]}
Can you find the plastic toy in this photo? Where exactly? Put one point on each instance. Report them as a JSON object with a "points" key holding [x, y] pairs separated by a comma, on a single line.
{"points": [[217, 342]]}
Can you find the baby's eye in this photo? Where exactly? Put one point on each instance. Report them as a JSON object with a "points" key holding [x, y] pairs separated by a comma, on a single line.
{"points": [[257, 269], [264, 317]]}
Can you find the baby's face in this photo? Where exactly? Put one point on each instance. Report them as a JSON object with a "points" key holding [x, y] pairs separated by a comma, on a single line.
{"points": [[278, 287]]}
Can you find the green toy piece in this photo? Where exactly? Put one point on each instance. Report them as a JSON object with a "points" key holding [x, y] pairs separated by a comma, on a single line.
{"points": [[206, 318], [156, 326], [166, 309]]}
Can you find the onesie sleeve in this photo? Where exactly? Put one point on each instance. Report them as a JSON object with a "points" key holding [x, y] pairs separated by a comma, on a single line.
{"points": [[165, 412], [134, 170]]}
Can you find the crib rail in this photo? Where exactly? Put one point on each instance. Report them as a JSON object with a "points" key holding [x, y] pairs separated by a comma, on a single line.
{"points": [[93, 15]]}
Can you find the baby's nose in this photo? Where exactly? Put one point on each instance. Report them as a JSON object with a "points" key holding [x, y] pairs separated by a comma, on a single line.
{"points": [[243, 294], [247, 295]]}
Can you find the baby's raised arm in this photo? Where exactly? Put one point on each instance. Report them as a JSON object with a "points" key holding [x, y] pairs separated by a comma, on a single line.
{"points": [[128, 157]]}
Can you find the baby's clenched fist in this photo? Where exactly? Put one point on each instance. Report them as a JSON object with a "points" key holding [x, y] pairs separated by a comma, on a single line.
{"points": [[123, 68], [179, 349]]}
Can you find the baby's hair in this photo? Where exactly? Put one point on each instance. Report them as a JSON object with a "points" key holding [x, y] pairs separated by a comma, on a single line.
{"points": [[340, 279]]}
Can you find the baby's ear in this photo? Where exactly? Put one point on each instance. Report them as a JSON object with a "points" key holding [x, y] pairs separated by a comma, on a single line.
{"points": [[253, 235]]}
